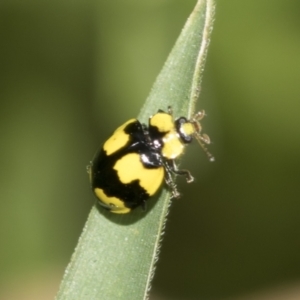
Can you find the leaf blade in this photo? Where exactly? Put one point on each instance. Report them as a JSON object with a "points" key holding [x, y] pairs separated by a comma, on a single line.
{"points": [[116, 254]]}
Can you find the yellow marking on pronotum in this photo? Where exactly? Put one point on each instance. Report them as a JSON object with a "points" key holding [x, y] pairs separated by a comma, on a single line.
{"points": [[118, 139], [173, 147], [116, 205], [164, 122], [130, 168]]}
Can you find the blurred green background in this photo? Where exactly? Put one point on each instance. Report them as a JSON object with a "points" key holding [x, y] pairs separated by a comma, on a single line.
{"points": [[71, 71]]}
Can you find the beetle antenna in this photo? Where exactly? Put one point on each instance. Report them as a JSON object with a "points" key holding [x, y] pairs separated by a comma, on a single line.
{"points": [[202, 139]]}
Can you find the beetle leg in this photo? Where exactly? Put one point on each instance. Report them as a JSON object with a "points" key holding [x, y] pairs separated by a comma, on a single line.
{"points": [[169, 181], [170, 110], [188, 176]]}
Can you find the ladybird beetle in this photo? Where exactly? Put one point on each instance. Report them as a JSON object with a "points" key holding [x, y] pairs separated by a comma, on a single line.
{"points": [[133, 163]]}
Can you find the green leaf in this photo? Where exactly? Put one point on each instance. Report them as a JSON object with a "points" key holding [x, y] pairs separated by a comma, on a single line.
{"points": [[116, 254]]}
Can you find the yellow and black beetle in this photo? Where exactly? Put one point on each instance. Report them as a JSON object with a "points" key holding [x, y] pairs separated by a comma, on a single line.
{"points": [[133, 163]]}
